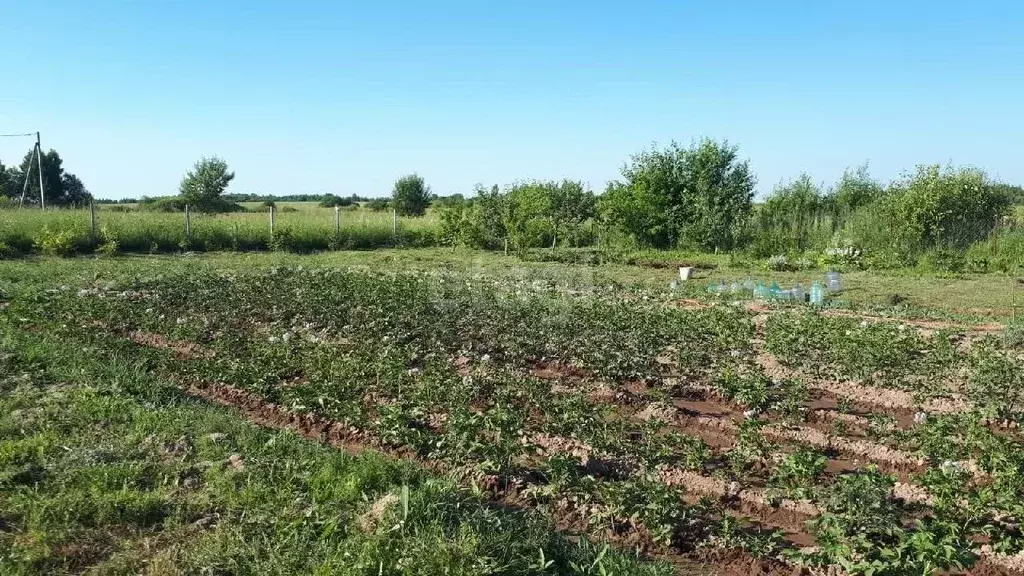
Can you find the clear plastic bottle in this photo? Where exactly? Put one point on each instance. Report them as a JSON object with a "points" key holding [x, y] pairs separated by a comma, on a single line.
{"points": [[760, 292], [832, 281], [817, 294], [734, 288], [798, 292], [775, 291], [748, 285]]}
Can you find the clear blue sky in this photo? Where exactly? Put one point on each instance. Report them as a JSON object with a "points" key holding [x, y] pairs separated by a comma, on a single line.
{"points": [[344, 97]]}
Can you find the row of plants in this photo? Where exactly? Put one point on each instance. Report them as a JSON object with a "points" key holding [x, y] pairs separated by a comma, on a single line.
{"points": [[436, 363], [105, 467], [982, 370]]}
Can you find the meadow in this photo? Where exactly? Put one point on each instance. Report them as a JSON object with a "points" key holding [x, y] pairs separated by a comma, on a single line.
{"points": [[438, 411], [299, 227]]}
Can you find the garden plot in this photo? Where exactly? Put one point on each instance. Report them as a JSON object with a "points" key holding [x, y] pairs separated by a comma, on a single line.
{"points": [[803, 441]]}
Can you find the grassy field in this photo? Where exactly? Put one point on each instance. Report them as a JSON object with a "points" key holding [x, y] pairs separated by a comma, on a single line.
{"points": [[308, 228], [454, 412]]}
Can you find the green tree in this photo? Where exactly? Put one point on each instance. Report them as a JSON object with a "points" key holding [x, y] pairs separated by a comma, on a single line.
{"points": [[698, 196], [62, 188], [790, 217], [571, 206], [411, 195], [527, 217], [203, 185], [855, 190]]}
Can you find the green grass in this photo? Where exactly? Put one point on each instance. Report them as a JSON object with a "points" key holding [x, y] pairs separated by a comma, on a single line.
{"points": [[307, 229], [972, 297], [103, 467]]}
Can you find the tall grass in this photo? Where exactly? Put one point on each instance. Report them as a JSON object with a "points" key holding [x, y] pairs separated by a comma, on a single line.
{"points": [[26, 231]]}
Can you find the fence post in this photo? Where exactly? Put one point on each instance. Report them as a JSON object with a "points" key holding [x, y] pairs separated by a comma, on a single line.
{"points": [[92, 219], [394, 225], [506, 246], [272, 209], [188, 225], [337, 221]]}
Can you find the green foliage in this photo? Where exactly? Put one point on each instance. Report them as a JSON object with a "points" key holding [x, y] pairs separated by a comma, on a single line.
{"points": [[410, 196], [797, 474], [203, 185], [96, 452], [330, 201], [378, 205], [796, 217], [63, 189], [997, 381], [109, 244], [698, 196], [54, 242], [934, 207]]}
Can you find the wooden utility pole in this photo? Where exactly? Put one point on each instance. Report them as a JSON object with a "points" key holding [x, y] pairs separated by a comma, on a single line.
{"points": [[39, 162]]}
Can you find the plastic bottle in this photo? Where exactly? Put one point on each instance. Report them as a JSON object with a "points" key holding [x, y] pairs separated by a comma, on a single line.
{"points": [[775, 291], [712, 288], [734, 288], [748, 285], [832, 281], [817, 294], [760, 292], [798, 292]]}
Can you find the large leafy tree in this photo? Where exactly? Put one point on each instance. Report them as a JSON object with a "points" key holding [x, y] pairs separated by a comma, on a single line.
{"points": [[698, 196], [62, 188], [411, 195], [203, 185]]}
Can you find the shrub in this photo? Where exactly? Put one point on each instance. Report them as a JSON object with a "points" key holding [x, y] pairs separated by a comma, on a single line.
{"points": [[779, 263], [330, 201], [55, 242], [943, 260], [110, 243], [7, 252], [932, 208], [411, 196], [378, 205], [795, 217], [165, 204], [698, 196]]}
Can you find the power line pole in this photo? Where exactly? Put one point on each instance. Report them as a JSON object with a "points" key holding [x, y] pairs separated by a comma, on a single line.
{"points": [[39, 161], [37, 151]]}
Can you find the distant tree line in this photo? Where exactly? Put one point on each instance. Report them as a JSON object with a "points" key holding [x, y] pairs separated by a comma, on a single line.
{"points": [[695, 197]]}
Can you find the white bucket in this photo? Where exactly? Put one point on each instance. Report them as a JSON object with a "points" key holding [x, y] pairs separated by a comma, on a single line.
{"points": [[685, 272]]}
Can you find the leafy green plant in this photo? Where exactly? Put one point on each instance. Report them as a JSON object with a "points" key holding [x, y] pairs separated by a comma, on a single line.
{"points": [[797, 473], [997, 381], [55, 242]]}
